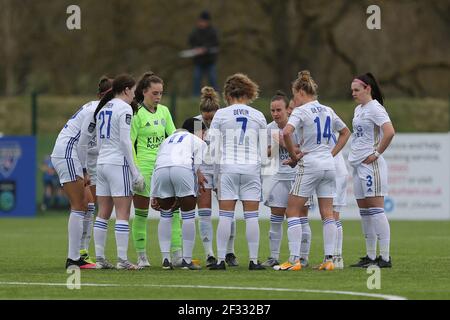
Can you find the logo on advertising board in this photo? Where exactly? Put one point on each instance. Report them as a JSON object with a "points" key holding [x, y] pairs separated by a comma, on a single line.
{"points": [[10, 153]]}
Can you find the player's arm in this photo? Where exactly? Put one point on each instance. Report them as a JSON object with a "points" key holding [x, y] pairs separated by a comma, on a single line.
{"points": [[214, 137], [135, 125], [170, 126], [200, 150], [86, 134], [270, 145], [125, 141], [344, 134], [290, 147], [380, 117], [294, 121], [388, 135]]}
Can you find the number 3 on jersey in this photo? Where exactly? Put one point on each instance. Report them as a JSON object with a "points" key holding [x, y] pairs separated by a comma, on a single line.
{"points": [[326, 129], [244, 128], [102, 115]]}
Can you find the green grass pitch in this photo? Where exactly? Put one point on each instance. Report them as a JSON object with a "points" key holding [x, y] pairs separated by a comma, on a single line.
{"points": [[33, 253]]}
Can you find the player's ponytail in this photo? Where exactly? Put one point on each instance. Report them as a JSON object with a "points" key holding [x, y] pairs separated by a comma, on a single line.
{"points": [[104, 86], [119, 84], [144, 83], [280, 95], [209, 100], [306, 83], [368, 79]]}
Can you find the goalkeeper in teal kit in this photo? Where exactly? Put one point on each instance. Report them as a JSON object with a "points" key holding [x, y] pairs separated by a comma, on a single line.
{"points": [[150, 126]]}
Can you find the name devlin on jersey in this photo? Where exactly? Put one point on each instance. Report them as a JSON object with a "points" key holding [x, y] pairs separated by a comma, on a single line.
{"points": [[239, 112]]}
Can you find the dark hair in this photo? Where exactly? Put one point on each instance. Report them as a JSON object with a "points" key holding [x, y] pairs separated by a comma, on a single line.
{"points": [[280, 95], [205, 15], [144, 83], [189, 124], [306, 83], [209, 101], [119, 84], [370, 80], [104, 85]]}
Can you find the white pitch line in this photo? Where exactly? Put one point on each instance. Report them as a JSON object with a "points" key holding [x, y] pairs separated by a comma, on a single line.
{"points": [[349, 293]]}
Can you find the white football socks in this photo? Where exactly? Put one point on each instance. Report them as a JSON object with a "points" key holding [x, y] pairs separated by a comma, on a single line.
{"points": [[188, 232], [275, 235]]}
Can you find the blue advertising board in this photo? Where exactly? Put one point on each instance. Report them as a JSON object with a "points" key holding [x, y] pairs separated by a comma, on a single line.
{"points": [[17, 176]]}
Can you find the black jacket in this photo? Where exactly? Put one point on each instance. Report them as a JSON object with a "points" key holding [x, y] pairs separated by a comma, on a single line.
{"points": [[205, 38]]}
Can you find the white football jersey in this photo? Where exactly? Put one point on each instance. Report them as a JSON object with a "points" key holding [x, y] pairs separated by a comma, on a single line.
{"points": [[67, 140], [115, 117], [181, 149], [284, 172], [236, 131], [315, 123], [367, 133], [207, 167]]}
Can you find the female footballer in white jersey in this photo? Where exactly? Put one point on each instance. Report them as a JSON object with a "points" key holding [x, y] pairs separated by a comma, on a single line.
{"points": [[372, 133], [284, 177], [174, 183], [209, 104], [316, 169], [115, 182], [339, 202], [66, 158], [88, 158], [237, 128]]}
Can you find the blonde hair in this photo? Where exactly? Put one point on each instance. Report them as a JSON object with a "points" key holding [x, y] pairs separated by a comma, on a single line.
{"points": [[209, 100], [240, 86], [306, 83]]}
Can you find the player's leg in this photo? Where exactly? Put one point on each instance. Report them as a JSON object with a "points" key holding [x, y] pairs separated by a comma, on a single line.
{"points": [[251, 213], [122, 206], [305, 244], [187, 208], [339, 202], [275, 236], [227, 192], [230, 257], [141, 201], [176, 248], [277, 201], [360, 175], [164, 193], [382, 230], [165, 230], [294, 231], [250, 193], [75, 193], [88, 223], [337, 256], [205, 224], [226, 217], [70, 173], [105, 208], [326, 191], [139, 227], [185, 186], [375, 201], [301, 190]]}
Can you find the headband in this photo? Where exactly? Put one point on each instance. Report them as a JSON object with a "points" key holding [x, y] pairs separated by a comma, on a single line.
{"points": [[360, 81]]}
